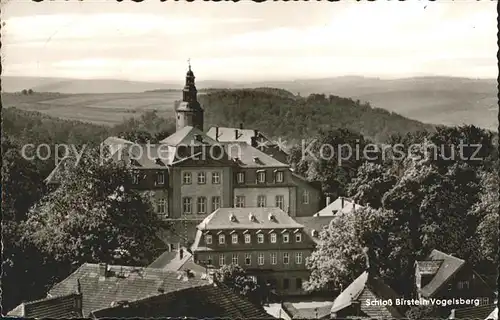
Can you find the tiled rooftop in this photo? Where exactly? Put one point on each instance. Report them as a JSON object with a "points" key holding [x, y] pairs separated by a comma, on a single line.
{"points": [[58, 307], [123, 283]]}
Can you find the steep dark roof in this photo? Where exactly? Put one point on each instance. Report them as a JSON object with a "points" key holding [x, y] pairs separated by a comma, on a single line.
{"points": [[470, 313], [208, 301], [123, 283], [448, 268], [180, 232], [375, 285], [64, 306]]}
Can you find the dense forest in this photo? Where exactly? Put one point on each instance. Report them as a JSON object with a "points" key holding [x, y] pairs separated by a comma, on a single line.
{"points": [[48, 233], [280, 113]]}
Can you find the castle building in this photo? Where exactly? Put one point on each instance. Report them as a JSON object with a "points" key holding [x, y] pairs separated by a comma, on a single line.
{"points": [[266, 242], [190, 174]]}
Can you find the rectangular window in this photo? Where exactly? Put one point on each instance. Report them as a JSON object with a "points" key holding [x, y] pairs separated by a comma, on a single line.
{"points": [[298, 237], [298, 283], [187, 206], [261, 177], [222, 260], [234, 238], [161, 206], [261, 201], [209, 260], [202, 177], [201, 205], [305, 197], [280, 202], [208, 239], [160, 178], [235, 259], [273, 237], [286, 284], [279, 176], [186, 178], [274, 258], [247, 238], [463, 285], [286, 238], [286, 258], [135, 178], [222, 239], [215, 203], [248, 259], [240, 177], [298, 258], [260, 259], [240, 202], [260, 238], [215, 177]]}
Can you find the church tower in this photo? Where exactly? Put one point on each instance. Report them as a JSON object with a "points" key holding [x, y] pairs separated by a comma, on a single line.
{"points": [[189, 112]]}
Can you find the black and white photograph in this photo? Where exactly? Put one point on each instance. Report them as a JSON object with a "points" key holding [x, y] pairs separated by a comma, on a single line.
{"points": [[250, 159]]}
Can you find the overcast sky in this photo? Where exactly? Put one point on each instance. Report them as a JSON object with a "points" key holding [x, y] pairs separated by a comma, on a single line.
{"points": [[248, 41]]}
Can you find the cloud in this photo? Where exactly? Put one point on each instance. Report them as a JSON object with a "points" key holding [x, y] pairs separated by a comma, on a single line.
{"points": [[370, 38]]}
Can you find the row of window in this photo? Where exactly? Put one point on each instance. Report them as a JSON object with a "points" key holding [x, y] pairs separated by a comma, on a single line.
{"points": [[201, 204], [201, 177], [160, 178], [261, 177], [273, 238], [279, 200], [273, 258]]}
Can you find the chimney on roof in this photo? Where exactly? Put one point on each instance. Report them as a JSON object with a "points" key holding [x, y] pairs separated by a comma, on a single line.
{"points": [[241, 125], [232, 218], [253, 141], [236, 134], [251, 217], [342, 202], [103, 269], [181, 254], [327, 200], [78, 287]]}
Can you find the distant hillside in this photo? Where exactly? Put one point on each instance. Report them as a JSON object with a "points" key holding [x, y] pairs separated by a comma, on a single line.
{"points": [[438, 100], [281, 115]]}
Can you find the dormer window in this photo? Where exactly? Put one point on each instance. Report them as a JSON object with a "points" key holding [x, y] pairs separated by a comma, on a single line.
{"points": [[261, 176], [252, 218], [232, 218], [234, 238], [279, 176], [260, 238], [248, 238], [271, 217]]}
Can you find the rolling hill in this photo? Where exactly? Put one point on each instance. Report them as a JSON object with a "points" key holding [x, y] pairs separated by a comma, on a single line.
{"points": [[437, 100]]}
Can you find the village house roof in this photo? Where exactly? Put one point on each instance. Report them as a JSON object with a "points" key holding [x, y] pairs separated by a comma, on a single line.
{"points": [[248, 218], [366, 281], [59, 307], [484, 312], [320, 312], [207, 301], [247, 156], [449, 266], [340, 205], [121, 283]]}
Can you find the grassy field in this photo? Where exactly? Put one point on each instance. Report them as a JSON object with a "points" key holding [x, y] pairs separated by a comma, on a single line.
{"points": [[107, 109]]}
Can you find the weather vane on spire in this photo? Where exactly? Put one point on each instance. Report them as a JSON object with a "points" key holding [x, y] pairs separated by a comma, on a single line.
{"points": [[189, 63]]}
